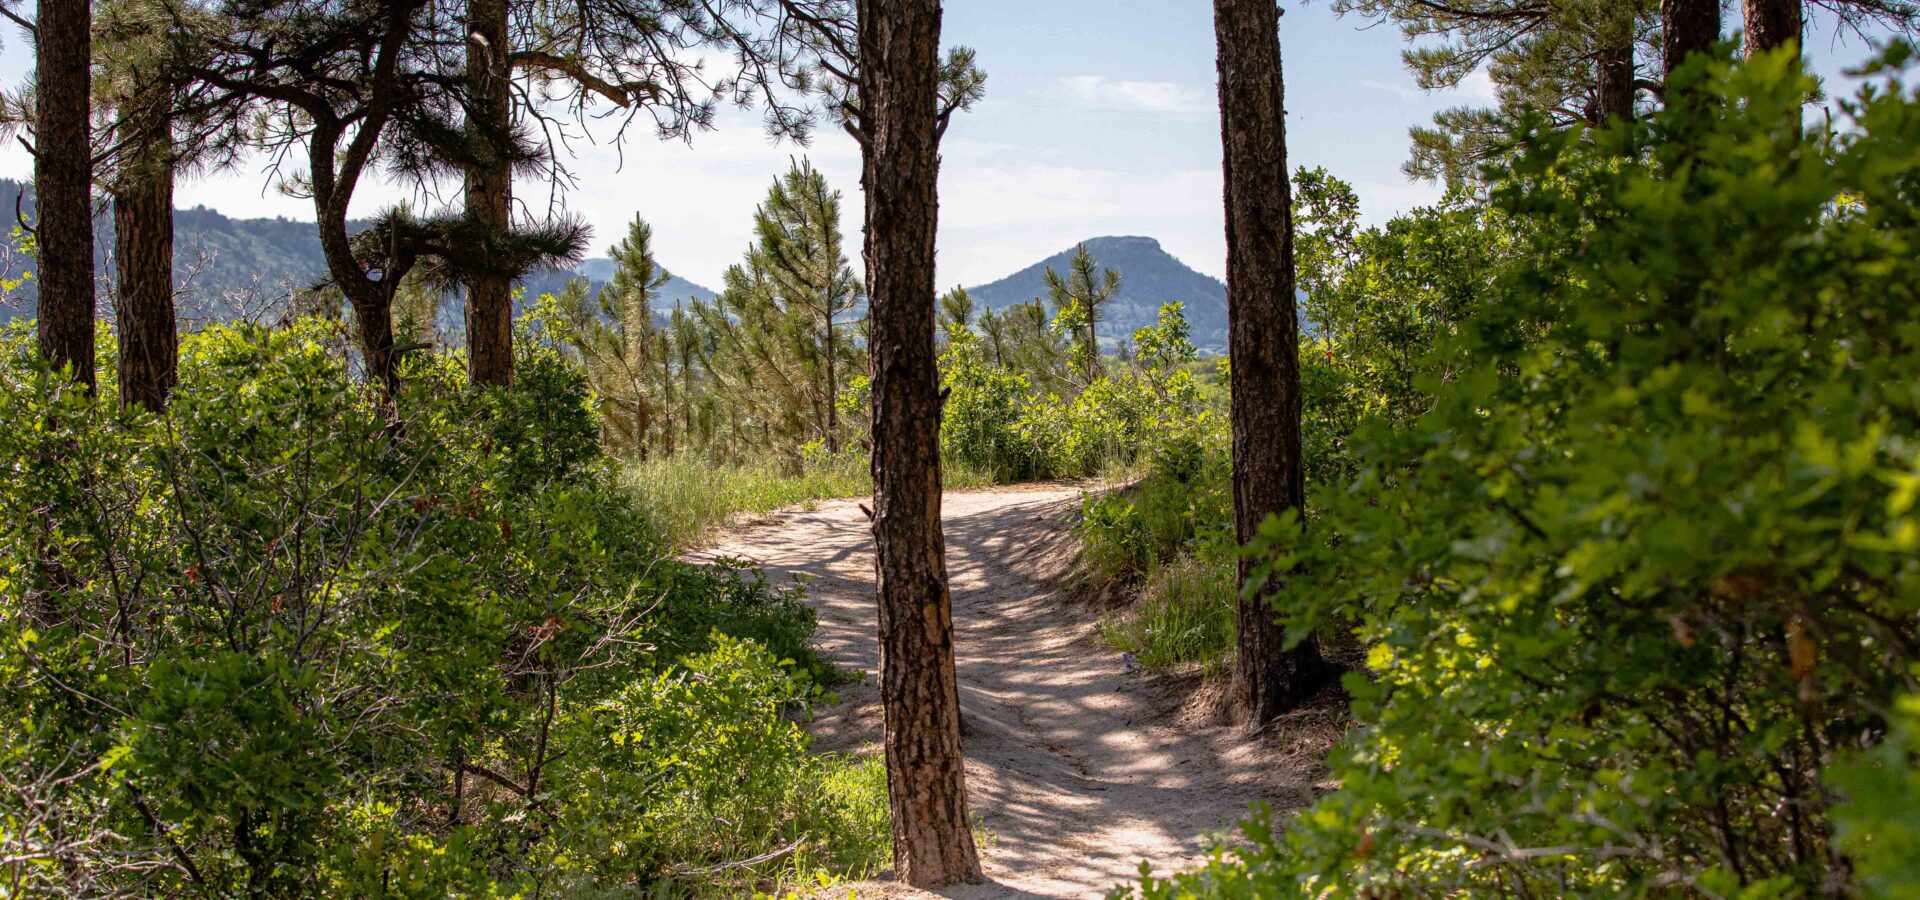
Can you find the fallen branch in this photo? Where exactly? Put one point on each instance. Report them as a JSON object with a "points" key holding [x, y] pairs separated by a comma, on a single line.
{"points": [[494, 777], [741, 864]]}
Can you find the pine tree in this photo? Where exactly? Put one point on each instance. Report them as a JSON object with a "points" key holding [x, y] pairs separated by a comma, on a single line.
{"points": [[1572, 61], [804, 256], [495, 151], [1687, 27], [162, 123], [956, 315], [900, 121], [628, 299], [1079, 299], [1269, 677], [142, 191], [643, 57], [1771, 24], [617, 341], [683, 343], [1575, 62], [63, 184]]}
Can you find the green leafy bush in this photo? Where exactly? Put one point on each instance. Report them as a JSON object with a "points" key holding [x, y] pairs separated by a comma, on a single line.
{"points": [[295, 638], [1878, 828], [706, 769], [1176, 508], [999, 424], [1646, 567], [992, 421]]}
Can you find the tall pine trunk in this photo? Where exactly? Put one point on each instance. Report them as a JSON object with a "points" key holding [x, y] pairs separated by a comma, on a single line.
{"points": [[1263, 340], [143, 255], [926, 780], [1689, 27], [1772, 24], [489, 190], [1616, 87], [63, 184]]}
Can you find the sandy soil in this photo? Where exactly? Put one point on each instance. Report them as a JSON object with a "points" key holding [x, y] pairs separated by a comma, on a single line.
{"points": [[1079, 769]]}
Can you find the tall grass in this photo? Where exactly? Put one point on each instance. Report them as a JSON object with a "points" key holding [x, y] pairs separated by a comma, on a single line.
{"points": [[1183, 621], [688, 496]]}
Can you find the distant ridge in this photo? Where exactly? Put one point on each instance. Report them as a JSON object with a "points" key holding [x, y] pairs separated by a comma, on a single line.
{"points": [[599, 271], [1150, 276], [279, 251]]}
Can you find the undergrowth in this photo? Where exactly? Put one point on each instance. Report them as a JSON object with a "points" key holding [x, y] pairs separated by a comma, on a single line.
{"points": [[299, 639], [1183, 620]]}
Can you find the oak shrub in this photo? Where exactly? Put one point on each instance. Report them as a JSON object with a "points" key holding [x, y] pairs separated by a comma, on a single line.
{"points": [[297, 639], [1639, 586]]}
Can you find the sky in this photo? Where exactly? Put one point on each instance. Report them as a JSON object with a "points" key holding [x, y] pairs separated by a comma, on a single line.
{"points": [[1099, 119]]}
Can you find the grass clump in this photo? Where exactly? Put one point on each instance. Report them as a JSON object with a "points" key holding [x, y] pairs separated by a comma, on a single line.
{"points": [[1184, 619]]}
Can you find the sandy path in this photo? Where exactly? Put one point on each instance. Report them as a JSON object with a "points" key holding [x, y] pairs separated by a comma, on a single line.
{"points": [[1079, 769]]}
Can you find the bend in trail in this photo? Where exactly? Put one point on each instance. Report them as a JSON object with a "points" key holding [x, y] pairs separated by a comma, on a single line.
{"points": [[1078, 769]]}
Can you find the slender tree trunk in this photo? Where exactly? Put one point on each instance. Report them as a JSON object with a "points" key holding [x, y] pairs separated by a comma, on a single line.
{"points": [[489, 190], [666, 389], [1772, 24], [1092, 351], [833, 383], [1617, 91], [63, 184], [926, 780], [686, 397], [371, 300], [373, 319], [1689, 27], [143, 256], [1263, 339]]}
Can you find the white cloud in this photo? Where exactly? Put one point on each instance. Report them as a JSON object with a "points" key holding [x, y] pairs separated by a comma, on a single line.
{"points": [[1478, 88], [1404, 92], [1160, 97]]}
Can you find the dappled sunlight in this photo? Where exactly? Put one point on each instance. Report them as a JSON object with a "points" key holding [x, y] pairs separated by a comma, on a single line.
{"points": [[1078, 769]]}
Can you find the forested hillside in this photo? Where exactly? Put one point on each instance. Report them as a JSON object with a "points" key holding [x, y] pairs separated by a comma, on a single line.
{"points": [[1559, 537], [226, 267]]}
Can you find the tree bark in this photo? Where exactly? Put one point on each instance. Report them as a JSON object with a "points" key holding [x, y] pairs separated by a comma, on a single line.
{"points": [[1617, 90], [1263, 340], [926, 781], [1772, 24], [143, 255], [1689, 27], [489, 192], [63, 185]]}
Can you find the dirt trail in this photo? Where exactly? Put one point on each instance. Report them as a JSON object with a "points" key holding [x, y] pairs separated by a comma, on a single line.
{"points": [[1079, 769]]}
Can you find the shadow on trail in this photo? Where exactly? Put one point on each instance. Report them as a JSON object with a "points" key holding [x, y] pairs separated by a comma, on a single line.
{"points": [[1079, 769]]}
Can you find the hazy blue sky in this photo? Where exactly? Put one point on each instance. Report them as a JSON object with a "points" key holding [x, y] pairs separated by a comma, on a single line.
{"points": [[1099, 119]]}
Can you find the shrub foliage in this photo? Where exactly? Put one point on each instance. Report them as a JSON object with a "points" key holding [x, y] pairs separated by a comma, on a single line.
{"points": [[298, 639], [1639, 577]]}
